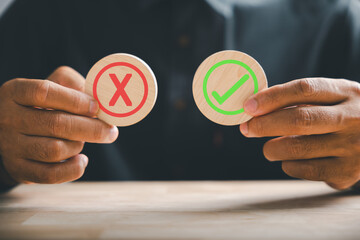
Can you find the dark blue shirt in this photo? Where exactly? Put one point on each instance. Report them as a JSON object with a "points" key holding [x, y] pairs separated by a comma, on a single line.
{"points": [[290, 39]]}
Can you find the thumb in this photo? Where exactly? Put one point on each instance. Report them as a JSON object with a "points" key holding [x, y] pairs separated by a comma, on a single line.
{"points": [[68, 77]]}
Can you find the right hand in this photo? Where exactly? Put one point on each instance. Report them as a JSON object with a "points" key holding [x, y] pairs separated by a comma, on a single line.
{"points": [[43, 127]]}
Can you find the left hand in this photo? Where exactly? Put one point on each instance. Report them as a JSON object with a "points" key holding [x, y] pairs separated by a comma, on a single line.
{"points": [[318, 121]]}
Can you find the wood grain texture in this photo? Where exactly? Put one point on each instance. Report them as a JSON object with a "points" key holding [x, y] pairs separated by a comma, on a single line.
{"points": [[180, 210], [222, 82], [132, 92]]}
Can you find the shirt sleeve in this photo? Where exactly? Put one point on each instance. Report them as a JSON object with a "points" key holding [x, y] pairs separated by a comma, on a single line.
{"points": [[6, 182], [356, 186]]}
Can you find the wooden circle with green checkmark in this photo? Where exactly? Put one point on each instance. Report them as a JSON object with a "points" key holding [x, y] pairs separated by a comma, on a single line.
{"points": [[223, 82]]}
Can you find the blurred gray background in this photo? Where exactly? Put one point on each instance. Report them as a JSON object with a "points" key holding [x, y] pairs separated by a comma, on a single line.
{"points": [[3, 5]]}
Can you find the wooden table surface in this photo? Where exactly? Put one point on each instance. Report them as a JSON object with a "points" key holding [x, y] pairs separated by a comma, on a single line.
{"points": [[180, 210]]}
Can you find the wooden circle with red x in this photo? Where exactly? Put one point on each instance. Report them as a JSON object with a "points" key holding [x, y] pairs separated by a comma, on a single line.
{"points": [[125, 88]]}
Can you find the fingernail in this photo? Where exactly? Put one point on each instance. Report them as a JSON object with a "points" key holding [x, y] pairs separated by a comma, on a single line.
{"points": [[244, 129], [251, 106], [85, 160], [113, 134], [93, 107]]}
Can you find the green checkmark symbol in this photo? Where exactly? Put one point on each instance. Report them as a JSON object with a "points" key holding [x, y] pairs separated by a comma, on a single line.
{"points": [[250, 72], [231, 91]]}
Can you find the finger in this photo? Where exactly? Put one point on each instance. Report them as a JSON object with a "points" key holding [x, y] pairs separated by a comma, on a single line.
{"points": [[68, 77], [315, 91], [333, 170], [343, 185], [47, 94], [46, 149], [303, 147], [340, 186], [37, 172], [39, 122], [295, 121]]}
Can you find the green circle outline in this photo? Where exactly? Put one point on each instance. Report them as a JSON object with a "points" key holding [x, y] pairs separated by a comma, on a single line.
{"points": [[230, 61]]}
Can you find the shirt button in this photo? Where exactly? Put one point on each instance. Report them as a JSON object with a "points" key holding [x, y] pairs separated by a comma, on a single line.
{"points": [[218, 138], [180, 105], [184, 41]]}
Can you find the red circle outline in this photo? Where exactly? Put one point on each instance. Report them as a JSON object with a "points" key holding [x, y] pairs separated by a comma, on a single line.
{"points": [[141, 74]]}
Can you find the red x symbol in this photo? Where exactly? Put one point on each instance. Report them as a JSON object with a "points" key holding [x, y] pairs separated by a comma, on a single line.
{"points": [[120, 89]]}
